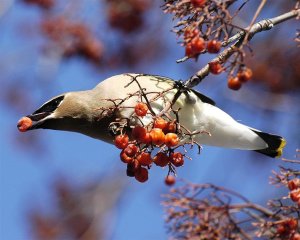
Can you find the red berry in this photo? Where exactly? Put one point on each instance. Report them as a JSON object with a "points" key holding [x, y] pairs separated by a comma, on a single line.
{"points": [[160, 123], [190, 33], [281, 229], [129, 172], [125, 158], [177, 159], [157, 136], [146, 139], [24, 124], [287, 226], [292, 223], [294, 184], [198, 45], [245, 75], [171, 139], [121, 141], [189, 51], [91, 49], [295, 195], [144, 159], [296, 236], [213, 46], [170, 128], [139, 133], [215, 67], [161, 159], [141, 175], [132, 167], [198, 3], [234, 83], [131, 150], [141, 109], [170, 180]]}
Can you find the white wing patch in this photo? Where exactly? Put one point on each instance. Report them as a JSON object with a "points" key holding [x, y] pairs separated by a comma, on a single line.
{"points": [[224, 130]]}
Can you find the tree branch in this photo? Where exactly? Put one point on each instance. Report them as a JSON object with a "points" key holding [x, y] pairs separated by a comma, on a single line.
{"points": [[250, 31]]}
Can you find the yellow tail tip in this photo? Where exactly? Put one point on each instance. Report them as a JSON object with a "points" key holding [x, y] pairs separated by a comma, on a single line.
{"points": [[280, 148]]}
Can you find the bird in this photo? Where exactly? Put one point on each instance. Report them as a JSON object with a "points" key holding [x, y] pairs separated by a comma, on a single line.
{"points": [[92, 112]]}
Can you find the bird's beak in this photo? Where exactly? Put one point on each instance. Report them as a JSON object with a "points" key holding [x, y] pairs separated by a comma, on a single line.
{"points": [[32, 121], [38, 119]]}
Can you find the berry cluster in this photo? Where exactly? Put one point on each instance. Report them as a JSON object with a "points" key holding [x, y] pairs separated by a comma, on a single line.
{"points": [[243, 76], [206, 26], [195, 44], [73, 39], [286, 229], [127, 15], [138, 149], [294, 187]]}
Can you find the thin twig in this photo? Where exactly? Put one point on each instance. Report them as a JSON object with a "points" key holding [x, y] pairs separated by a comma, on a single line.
{"points": [[258, 11]]}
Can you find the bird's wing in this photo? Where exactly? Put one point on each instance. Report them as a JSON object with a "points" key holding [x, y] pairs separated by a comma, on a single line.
{"points": [[203, 98]]}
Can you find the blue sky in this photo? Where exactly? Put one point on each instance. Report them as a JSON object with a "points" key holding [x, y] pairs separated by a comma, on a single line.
{"points": [[26, 173]]}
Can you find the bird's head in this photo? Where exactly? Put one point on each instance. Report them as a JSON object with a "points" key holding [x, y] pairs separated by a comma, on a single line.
{"points": [[73, 111]]}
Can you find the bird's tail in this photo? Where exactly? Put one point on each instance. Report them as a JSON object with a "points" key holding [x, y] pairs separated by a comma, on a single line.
{"points": [[275, 144]]}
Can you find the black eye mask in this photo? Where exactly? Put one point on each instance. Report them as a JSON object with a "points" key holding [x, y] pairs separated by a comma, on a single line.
{"points": [[49, 106], [46, 109]]}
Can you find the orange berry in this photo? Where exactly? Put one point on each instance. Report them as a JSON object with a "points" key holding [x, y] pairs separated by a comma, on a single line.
{"points": [[157, 136], [245, 75], [161, 159], [214, 46], [141, 175], [234, 83], [171, 139], [131, 150], [144, 159], [198, 3], [141, 109], [294, 184], [160, 123], [170, 180], [198, 45], [177, 159], [295, 195], [121, 141], [128, 153], [215, 67], [24, 124], [139, 133]]}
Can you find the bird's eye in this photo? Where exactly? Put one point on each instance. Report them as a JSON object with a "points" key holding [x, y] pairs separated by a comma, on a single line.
{"points": [[50, 106]]}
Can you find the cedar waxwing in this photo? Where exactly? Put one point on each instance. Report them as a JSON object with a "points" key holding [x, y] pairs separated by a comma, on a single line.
{"points": [[91, 113]]}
